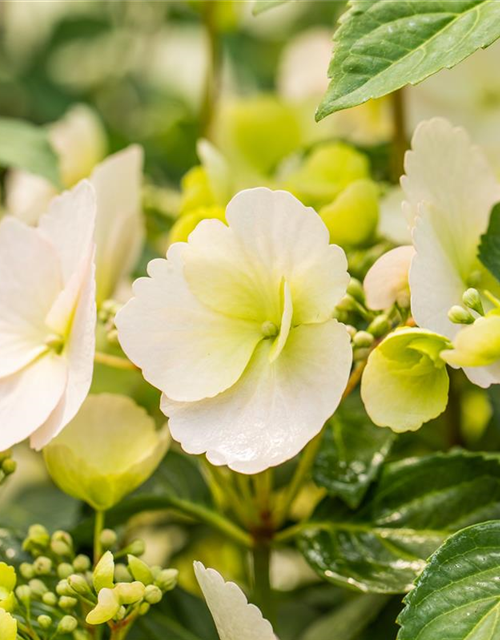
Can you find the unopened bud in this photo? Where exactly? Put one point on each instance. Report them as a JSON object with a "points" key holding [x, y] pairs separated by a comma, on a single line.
{"points": [[79, 584], [122, 574], [122, 612], [9, 466], [361, 354], [140, 570], [348, 303], [50, 599], [136, 548], [60, 548], [64, 570], [167, 579], [81, 563], [67, 625], [38, 536], [379, 326], [355, 289], [144, 607], [42, 566], [108, 538], [130, 592], [153, 594], [23, 594], [67, 602], [26, 570], [459, 315], [44, 621], [351, 330], [63, 588], [363, 339], [38, 588], [472, 299]]}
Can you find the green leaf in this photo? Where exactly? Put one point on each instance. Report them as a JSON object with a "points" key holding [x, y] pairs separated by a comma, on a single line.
{"points": [[263, 5], [25, 146], [352, 452], [383, 45], [457, 597], [414, 507], [489, 249]]}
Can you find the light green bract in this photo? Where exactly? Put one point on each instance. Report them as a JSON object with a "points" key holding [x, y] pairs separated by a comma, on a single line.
{"points": [[381, 46], [405, 382], [108, 450]]}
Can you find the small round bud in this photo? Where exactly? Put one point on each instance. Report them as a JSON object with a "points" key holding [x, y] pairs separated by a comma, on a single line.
{"points": [[144, 607], [363, 339], [153, 594], [472, 299], [459, 315], [67, 602], [355, 289], [156, 570], [361, 354], [23, 594], [26, 570], [108, 538], [42, 566], [167, 579], [63, 588], [67, 625], [44, 621], [63, 536], [81, 563], [50, 599], [136, 547], [130, 592], [351, 330], [122, 612], [9, 466], [64, 570], [38, 536], [79, 584], [122, 574], [379, 326], [38, 588], [60, 548], [348, 303]]}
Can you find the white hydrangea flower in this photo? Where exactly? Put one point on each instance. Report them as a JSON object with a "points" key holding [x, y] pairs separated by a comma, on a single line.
{"points": [[234, 617], [236, 329], [450, 191], [47, 318], [79, 141]]}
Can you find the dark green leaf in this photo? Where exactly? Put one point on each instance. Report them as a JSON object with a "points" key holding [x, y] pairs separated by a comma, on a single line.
{"points": [[352, 452], [25, 146], [457, 597], [489, 249], [413, 508], [383, 45]]}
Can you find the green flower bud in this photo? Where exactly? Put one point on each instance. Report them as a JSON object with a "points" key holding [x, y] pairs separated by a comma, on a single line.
{"points": [[122, 574], [122, 612], [135, 548], [379, 326], [63, 536], [140, 570], [26, 570], [81, 634], [104, 572], [355, 289], [23, 594], [67, 625], [63, 588], [64, 570], [129, 592], [42, 566], [67, 602], [363, 339], [108, 538], [459, 315], [60, 548], [37, 539], [9, 466], [44, 621], [144, 607], [79, 584], [472, 299], [81, 563], [38, 588], [50, 599], [7, 584], [153, 594], [347, 304], [167, 579], [351, 330]]}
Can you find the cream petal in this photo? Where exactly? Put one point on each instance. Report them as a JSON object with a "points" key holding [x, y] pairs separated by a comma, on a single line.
{"points": [[387, 280], [119, 231], [183, 347], [291, 241], [234, 617], [27, 196], [28, 397], [30, 282], [79, 354], [286, 323], [275, 409]]}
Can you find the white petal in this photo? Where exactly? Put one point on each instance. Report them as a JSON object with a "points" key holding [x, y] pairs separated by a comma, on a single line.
{"points": [[484, 376], [29, 396], [30, 280], [27, 196], [183, 347], [286, 323], [291, 242], [275, 409], [119, 232], [234, 617], [69, 225], [393, 223], [387, 280], [79, 354]]}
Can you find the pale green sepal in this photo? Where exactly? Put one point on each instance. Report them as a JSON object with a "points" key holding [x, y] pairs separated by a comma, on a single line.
{"points": [[104, 572], [106, 609], [140, 570]]}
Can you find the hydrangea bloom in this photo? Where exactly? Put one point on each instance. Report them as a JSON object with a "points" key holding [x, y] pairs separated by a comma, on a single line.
{"points": [[47, 318], [236, 329], [234, 617]]}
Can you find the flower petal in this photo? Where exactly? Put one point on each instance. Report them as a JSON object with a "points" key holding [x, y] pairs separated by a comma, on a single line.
{"points": [[234, 617], [28, 397], [291, 241], [183, 347], [387, 280], [119, 231], [30, 282], [275, 409]]}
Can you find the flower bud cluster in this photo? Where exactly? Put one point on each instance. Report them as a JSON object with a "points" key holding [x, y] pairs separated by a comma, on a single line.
{"points": [[62, 593], [7, 465]]}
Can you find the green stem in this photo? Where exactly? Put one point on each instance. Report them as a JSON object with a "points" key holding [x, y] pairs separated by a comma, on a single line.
{"points": [[400, 144], [212, 80], [98, 527], [223, 482], [116, 362], [213, 519], [262, 592]]}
